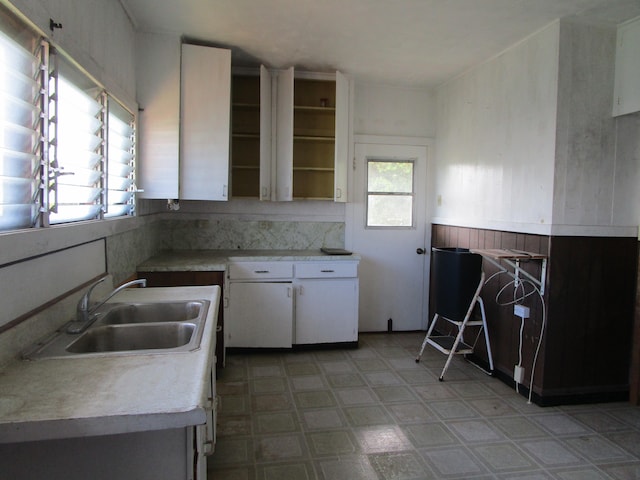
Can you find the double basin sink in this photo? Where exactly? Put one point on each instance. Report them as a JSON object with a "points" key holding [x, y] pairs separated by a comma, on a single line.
{"points": [[132, 328]]}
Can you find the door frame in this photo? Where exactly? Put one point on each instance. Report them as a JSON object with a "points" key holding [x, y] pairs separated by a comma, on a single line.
{"points": [[429, 144]]}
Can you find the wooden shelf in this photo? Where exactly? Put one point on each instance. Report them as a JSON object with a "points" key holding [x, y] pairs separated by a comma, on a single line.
{"points": [[314, 138], [315, 110], [312, 169], [246, 106], [246, 167], [245, 134], [251, 136], [513, 258]]}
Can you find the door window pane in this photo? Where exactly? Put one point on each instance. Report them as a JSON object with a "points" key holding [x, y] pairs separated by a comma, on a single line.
{"points": [[390, 176], [390, 193]]}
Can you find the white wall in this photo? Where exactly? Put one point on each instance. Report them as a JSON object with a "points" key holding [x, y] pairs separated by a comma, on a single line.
{"points": [[526, 141], [96, 33], [596, 171], [496, 129], [391, 110]]}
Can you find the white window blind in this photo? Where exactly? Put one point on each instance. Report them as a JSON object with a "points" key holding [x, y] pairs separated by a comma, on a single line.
{"points": [[19, 130], [120, 154]]}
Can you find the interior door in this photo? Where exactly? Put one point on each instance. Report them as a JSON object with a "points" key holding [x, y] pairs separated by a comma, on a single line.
{"points": [[393, 274]]}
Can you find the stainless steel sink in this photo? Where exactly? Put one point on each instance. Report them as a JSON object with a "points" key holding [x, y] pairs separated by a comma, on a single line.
{"points": [[131, 329], [133, 337], [126, 313]]}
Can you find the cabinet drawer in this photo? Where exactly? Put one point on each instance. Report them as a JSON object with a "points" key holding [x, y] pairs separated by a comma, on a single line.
{"points": [[260, 270], [326, 270]]}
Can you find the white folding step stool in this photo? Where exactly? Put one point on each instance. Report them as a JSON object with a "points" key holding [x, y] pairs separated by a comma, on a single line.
{"points": [[447, 267]]}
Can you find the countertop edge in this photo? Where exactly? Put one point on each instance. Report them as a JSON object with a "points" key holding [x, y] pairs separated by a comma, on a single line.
{"points": [[217, 260]]}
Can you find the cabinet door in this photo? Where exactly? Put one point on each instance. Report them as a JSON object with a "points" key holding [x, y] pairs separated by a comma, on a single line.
{"points": [[284, 136], [259, 315], [158, 94], [205, 129], [267, 169], [342, 137], [326, 311], [627, 89]]}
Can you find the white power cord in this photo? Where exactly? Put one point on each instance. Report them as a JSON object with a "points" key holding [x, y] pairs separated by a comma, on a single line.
{"points": [[517, 299]]}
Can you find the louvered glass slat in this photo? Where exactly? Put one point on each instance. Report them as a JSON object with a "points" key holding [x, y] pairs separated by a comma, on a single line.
{"points": [[19, 138], [119, 161], [78, 153]]}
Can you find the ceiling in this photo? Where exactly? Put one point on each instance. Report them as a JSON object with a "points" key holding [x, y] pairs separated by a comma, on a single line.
{"points": [[399, 42]]}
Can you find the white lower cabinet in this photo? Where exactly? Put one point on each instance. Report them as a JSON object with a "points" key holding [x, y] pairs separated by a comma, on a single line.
{"points": [[154, 455], [204, 435], [280, 304], [259, 314], [326, 302], [169, 454], [326, 311]]}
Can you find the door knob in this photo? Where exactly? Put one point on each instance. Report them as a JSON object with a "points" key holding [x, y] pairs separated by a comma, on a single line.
{"points": [[420, 251]]}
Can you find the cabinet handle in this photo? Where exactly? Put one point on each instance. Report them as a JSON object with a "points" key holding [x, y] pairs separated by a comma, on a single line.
{"points": [[289, 292], [301, 290], [261, 271], [207, 448], [327, 271]]}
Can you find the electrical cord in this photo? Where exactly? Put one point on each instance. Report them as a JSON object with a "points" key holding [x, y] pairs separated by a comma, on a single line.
{"points": [[520, 350], [517, 299], [542, 328]]}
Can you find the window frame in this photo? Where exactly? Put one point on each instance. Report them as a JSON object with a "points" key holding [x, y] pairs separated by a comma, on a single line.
{"points": [[369, 194], [46, 175]]}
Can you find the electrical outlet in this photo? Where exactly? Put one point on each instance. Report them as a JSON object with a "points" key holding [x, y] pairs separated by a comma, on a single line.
{"points": [[518, 374], [521, 311]]}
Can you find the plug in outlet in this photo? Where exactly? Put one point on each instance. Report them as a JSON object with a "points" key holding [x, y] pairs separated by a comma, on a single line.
{"points": [[521, 311], [518, 374]]}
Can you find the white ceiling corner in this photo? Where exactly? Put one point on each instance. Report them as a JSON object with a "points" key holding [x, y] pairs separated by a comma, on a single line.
{"points": [[402, 42]]}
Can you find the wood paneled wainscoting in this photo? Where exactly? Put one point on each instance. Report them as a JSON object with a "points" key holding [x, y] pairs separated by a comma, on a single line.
{"points": [[634, 376], [589, 301]]}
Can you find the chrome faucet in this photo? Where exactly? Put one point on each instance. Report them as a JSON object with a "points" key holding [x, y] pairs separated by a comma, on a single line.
{"points": [[84, 309]]}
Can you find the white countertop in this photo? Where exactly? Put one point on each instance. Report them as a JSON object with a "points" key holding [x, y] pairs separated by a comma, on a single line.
{"points": [[101, 395], [217, 260]]}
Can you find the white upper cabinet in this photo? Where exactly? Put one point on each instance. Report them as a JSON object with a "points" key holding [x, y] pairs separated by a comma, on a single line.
{"points": [[205, 123], [312, 136], [207, 135], [252, 169], [158, 91], [291, 142], [184, 96], [626, 98], [343, 96]]}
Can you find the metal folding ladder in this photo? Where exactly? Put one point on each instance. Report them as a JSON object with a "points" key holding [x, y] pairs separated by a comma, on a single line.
{"points": [[454, 344]]}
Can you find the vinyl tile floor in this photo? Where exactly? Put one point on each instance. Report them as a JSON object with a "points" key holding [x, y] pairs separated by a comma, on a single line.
{"points": [[374, 413]]}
